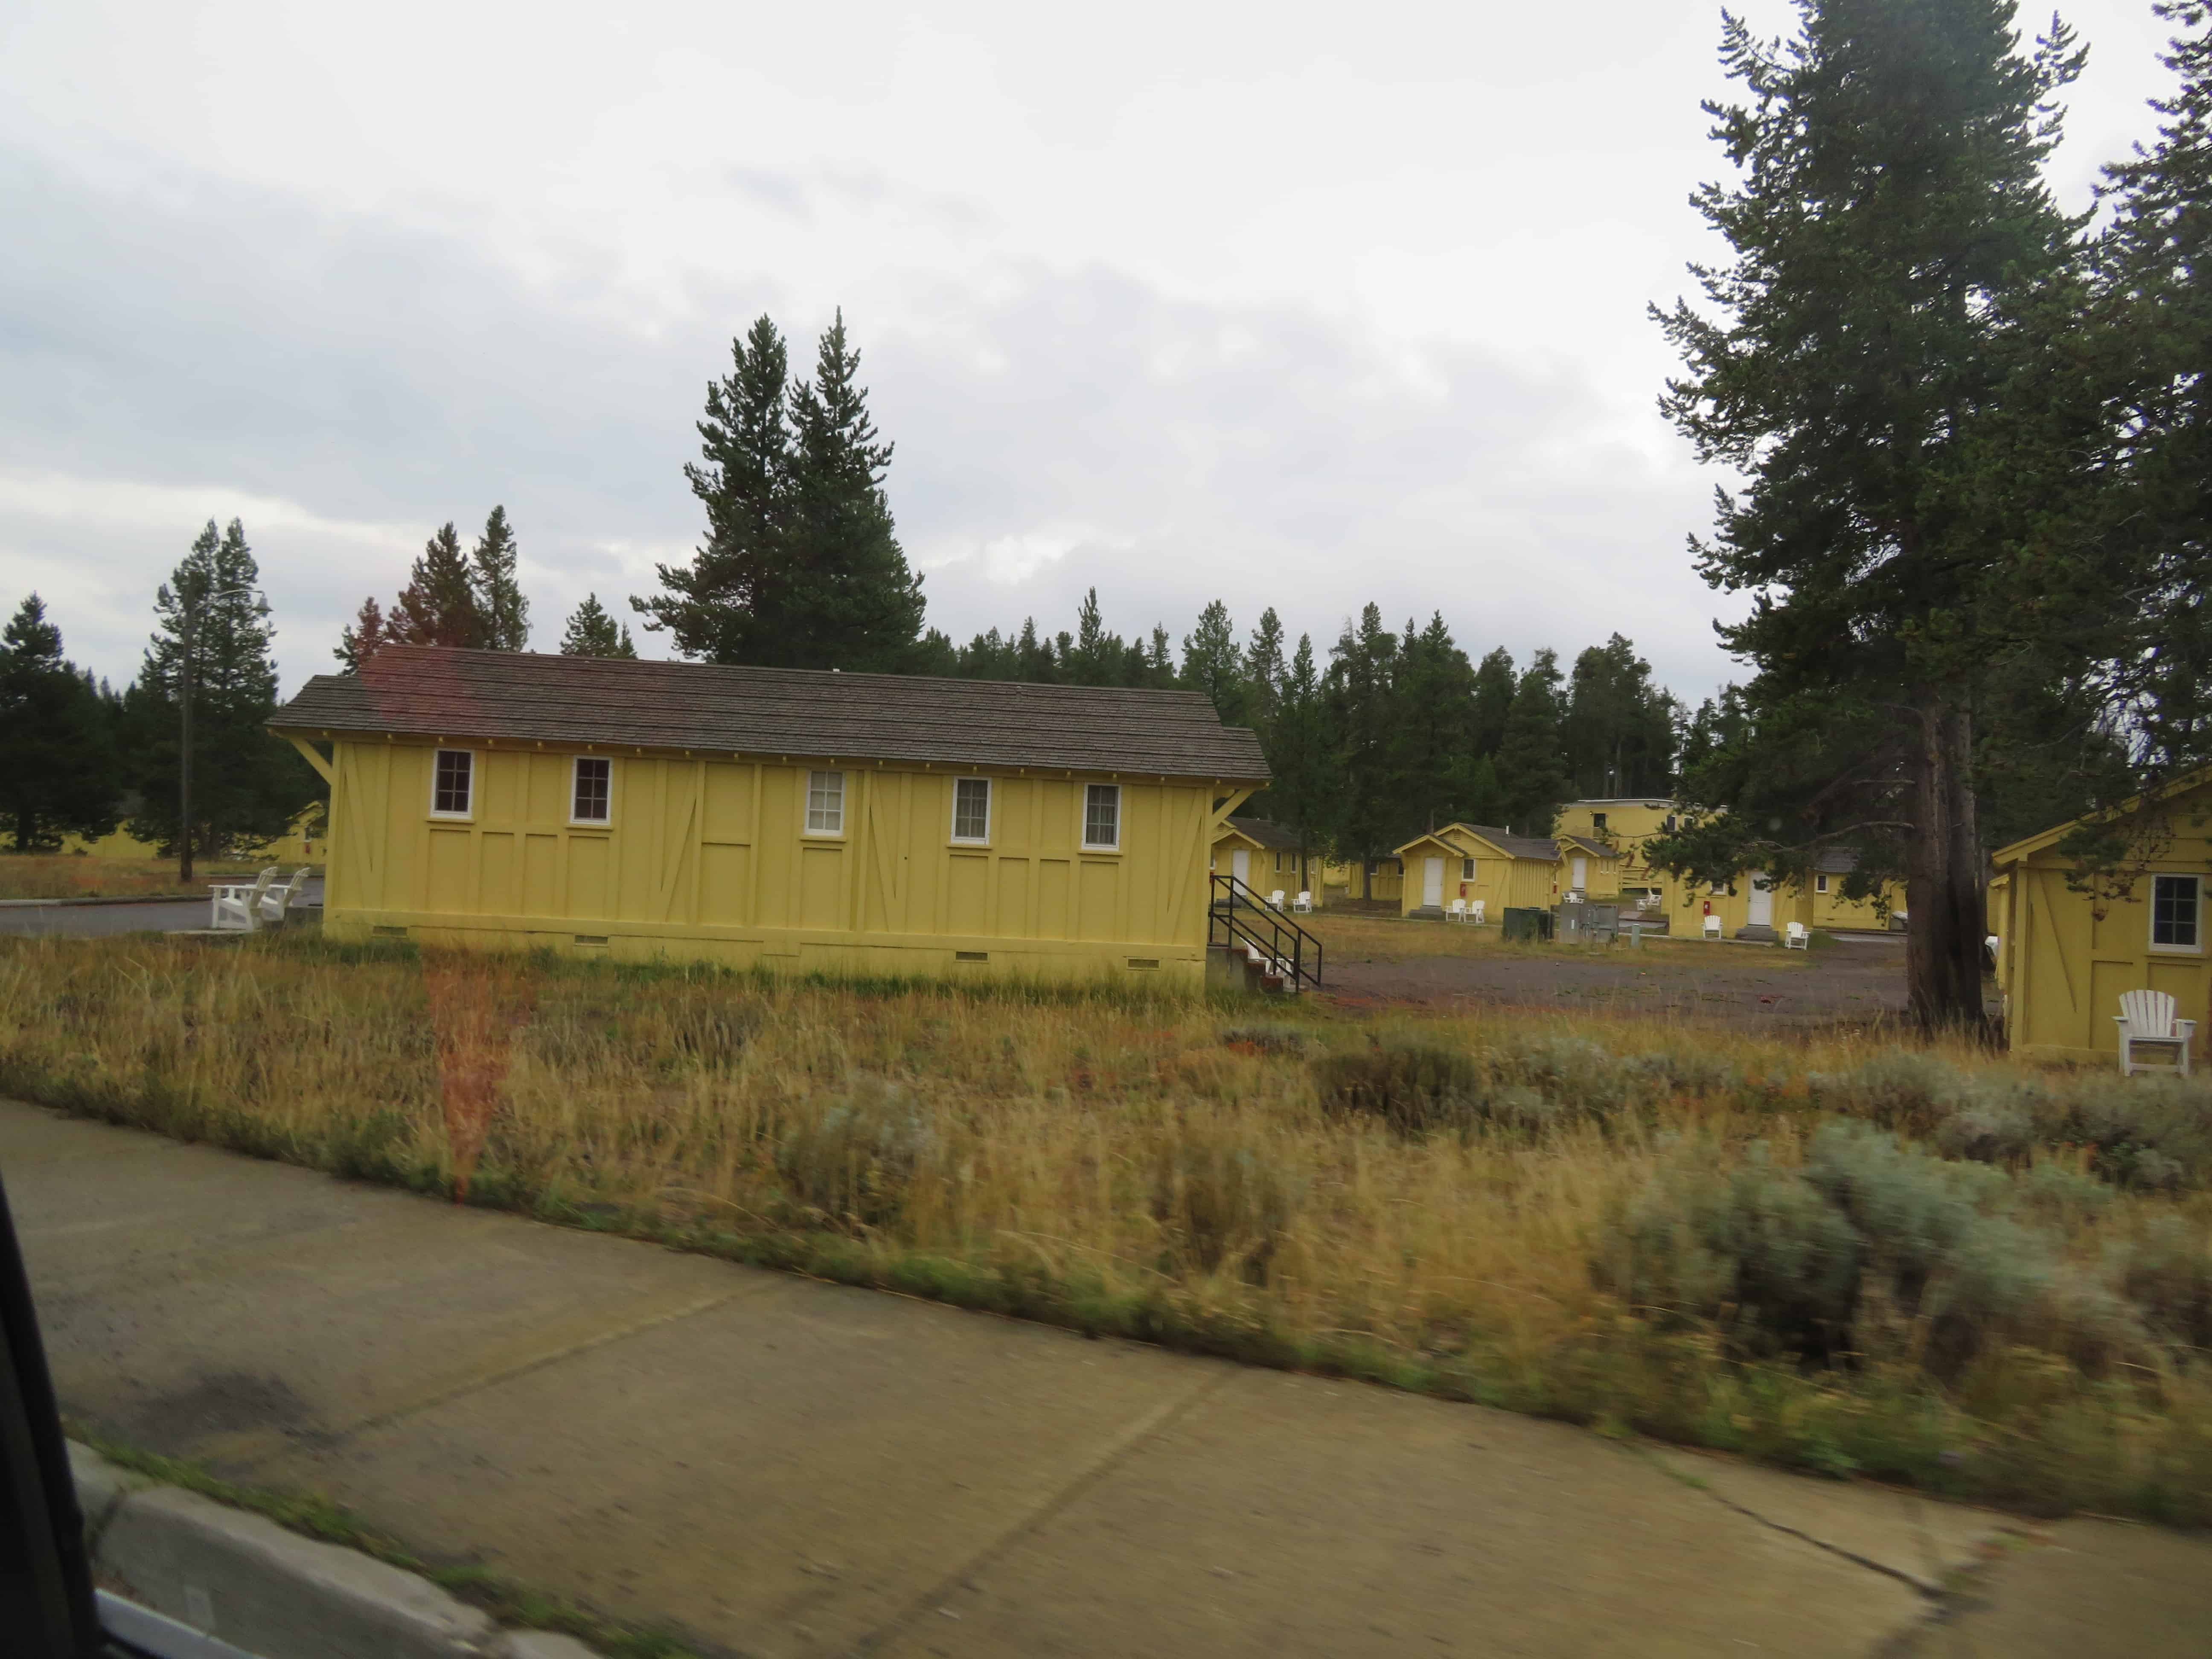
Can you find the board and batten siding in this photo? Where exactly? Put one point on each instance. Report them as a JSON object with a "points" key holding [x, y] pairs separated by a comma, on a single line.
{"points": [[709, 859]]}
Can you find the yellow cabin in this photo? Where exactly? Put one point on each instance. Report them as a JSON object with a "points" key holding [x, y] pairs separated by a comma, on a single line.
{"points": [[2065, 958], [1264, 856], [1504, 871], [1749, 907], [774, 817]]}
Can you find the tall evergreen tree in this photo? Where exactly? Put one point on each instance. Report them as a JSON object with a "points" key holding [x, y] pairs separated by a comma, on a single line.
{"points": [[58, 759], [727, 604], [503, 613], [248, 785], [1264, 669], [1094, 656], [1159, 659], [1892, 229], [856, 604], [1618, 728], [1433, 778], [1303, 794], [1531, 766], [438, 606], [1361, 713], [1495, 682], [361, 639], [591, 632], [1213, 663]]}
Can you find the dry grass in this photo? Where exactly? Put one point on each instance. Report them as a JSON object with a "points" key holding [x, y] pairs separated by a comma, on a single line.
{"points": [[66, 875], [1527, 1211]]}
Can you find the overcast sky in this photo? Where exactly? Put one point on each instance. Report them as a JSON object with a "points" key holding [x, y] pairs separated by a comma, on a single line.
{"points": [[1288, 305]]}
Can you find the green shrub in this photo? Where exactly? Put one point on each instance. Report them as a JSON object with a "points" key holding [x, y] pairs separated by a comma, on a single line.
{"points": [[1269, 1037], [2167, 1273], [1414, 1087]]}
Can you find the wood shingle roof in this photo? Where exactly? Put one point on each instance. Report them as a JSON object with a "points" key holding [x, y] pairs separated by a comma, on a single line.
{"points": [[528, 696]]}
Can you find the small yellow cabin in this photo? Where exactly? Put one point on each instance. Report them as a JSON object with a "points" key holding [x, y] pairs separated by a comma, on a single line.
{"points": [[771, 818], [2066, 957], [1265, 857], [1473, 862]]}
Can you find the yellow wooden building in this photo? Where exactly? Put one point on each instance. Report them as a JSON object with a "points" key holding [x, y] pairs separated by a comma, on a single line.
{"points": [[1749, 906], [2064, 958], [1265, 857], [1474, 861], [844, 823]]}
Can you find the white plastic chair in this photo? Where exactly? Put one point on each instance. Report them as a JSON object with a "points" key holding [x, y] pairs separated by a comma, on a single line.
{"points": [[276, 903], [235, 907], [1712, 926], [1275, 899], [2146, 1020], [1455, 911], [1303, 904], [1475, 910], [1796, 937]]}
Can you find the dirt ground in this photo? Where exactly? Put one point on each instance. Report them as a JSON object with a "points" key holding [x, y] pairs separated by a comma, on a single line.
{"points": [[1846, 982]]}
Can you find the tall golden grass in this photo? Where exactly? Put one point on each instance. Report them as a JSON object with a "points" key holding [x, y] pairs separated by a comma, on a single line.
{"points": [[63, 875], [1174, 1170]]}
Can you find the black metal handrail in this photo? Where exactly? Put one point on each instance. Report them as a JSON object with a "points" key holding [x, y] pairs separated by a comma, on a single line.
{"points": [[1234, 918]]}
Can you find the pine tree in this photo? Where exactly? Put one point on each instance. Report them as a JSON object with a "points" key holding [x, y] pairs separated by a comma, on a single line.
{"points": [[1213, 663], [591, 632], [1618, 728], [1892, 231], [247, 786], [1263, 668], [439, 604], [1303, 794], [363, 638], [1531, 770], [856, 604], [58, 760], [1361, 713], [502, 612], [1159, 659], [729, 602], [1093, 656], [1432, 763], [1495, 682]]}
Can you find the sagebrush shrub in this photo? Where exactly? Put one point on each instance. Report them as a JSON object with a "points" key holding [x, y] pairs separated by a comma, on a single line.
{"points": [[2167, 1273], [852, 1157], [1414, 1087], [1219, 1201]]}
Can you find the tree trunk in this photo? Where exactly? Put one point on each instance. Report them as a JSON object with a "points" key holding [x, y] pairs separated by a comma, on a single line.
{"points": [[1947, 918]]}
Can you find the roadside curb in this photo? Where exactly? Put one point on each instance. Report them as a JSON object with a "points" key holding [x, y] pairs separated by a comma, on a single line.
{"points": [[244, 1580]]}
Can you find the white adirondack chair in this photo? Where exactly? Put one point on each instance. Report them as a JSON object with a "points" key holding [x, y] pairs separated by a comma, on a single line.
{"points": [[2146, 1020], [1796, 937], [1303, 904], [276, 901], [1475, 910], [1712, 926], [1455, 911], [1275, 900], [235, 907]]}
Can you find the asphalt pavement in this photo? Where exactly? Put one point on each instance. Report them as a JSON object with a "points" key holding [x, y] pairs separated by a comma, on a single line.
{"points": [[68, 920]]}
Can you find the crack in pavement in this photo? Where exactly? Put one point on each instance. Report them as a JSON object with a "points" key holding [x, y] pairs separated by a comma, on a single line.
{"points": [[1110, 1456]]}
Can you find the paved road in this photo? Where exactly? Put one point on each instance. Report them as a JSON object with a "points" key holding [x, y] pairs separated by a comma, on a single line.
{"points": [[781, 1467], [101, 921]]}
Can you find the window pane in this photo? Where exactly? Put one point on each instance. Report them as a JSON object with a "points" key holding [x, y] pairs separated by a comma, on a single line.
{"points": [[594, 781], [1102, 815], [2173, 911], [825, 802], [450, 788], [971, 809]]}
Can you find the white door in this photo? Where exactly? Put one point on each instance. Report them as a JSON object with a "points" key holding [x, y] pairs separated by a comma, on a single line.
{"points": [[1582, 874], [1761, 912], [1433, 883], [1240, 865]]}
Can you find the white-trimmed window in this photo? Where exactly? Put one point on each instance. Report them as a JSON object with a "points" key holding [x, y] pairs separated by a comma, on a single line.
{"points": [[1819, 884], [825, 802], [453, 784], [971, 810], [2176, 918], [591, 790], [1467, 869], [1101, 817]]}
